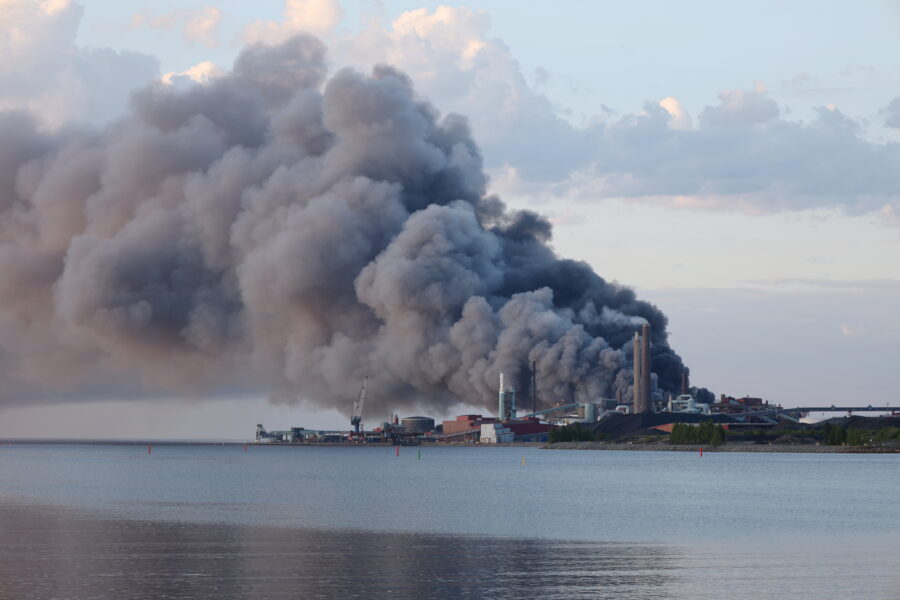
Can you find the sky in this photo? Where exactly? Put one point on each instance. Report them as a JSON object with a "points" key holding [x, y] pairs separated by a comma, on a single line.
{"points": [[734, 163]]}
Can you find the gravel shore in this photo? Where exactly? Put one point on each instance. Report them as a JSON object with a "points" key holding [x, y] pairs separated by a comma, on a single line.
{"points": [[728, 447]]}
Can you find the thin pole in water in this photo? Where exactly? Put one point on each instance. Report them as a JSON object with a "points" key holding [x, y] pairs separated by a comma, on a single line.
{"points": [[397, 450], [419, 455], [149, 448], [523, 461], [245, 447], [701, 450]]}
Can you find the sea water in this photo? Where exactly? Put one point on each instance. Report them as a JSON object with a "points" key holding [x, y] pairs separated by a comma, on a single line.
{"points": [[207, 521]]}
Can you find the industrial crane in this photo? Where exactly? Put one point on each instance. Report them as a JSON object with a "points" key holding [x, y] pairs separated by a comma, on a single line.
{"points": [[356, 419]]}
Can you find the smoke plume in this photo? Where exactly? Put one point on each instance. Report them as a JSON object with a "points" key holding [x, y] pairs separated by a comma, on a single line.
{"points": [[276, 230]]}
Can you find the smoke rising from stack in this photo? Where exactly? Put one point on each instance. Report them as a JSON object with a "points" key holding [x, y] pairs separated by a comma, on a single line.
{"points": [[279, 231]]}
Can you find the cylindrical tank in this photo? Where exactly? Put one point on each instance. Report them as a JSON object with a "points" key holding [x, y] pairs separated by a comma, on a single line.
{"points": [[418, 424], [590, 412]]}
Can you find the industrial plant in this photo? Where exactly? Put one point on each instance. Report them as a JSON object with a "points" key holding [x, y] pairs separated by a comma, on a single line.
{"points": [[645, 410]]}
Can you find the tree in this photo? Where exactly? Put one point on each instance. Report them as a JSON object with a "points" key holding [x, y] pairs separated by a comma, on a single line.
{"points": [[854, 437], [703, 433], [835, 435], [718, 436]]}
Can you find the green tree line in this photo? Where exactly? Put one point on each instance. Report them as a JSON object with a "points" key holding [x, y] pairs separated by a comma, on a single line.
{"points": [[574, 433], [704, 433], [835, 435]]}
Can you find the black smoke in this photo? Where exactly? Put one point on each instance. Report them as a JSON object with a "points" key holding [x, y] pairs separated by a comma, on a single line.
{"points": [[280, 231]]}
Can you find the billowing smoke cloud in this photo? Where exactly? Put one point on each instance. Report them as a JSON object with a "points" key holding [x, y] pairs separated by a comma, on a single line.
{"points": [[276, 231]]}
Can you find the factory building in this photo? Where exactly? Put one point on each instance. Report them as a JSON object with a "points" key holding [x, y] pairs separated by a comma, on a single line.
{"points": [[496, 433], [529, 429], [465, 423]]}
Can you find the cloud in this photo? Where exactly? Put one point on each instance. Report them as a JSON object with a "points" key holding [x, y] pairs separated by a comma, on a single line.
{"points": [[891, 113], [740, 108], [450, 54], [813, 284], [744, 155], [43, 71], [800, 80], [679, 118], [202, 27], [319, 17], [198, 26], [741, 153], [202, 72]]}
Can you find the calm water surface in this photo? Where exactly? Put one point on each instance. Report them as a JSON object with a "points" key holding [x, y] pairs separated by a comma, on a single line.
{"points": [[82, 521]]}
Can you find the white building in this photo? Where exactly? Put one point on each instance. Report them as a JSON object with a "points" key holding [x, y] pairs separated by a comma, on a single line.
{"points": [[496, 433]]}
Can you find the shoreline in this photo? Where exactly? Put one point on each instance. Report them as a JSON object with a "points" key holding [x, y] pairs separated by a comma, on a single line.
{"points": [[727, 447], [621, 446]]}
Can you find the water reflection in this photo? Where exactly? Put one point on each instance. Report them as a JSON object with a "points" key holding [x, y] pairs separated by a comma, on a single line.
{"points": [[49, 553]]}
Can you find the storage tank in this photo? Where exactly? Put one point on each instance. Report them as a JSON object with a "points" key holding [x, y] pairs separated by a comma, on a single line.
{"points": [[418, 424]]}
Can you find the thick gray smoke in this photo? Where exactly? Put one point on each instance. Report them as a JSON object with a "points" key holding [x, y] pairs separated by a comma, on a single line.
{"points": [[275, 232]]}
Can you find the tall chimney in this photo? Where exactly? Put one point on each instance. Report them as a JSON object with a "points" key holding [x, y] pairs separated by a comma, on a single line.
{"points": [[534, 386], [501, 401], [636, 405], [685, 385], [645, 368]]}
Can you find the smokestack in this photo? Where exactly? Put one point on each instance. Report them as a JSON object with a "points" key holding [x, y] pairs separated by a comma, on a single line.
{"points": [[685, 385], [534, 386], [636, 403], [501, 401], [645, 368]]}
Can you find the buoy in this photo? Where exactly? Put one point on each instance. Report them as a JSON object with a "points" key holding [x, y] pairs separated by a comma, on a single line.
{"points": [[419, 457], [149, 448], [523, 461], [397, 450], [245, 447], [701, 450]]}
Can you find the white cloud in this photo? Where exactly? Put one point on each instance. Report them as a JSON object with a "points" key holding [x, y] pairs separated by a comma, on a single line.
{"points": [[202, 73], [742, 153], [449, 54], [202, 27], [43, 71], [198, 26], [679, 118], [741, 107], [319, 17]]}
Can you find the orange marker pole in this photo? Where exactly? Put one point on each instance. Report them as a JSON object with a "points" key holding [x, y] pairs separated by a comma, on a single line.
{"points": [[701, 450], [397, 450]]}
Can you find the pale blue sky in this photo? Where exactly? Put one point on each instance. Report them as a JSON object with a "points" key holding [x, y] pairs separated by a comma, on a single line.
{"points": [[777, 290]]}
